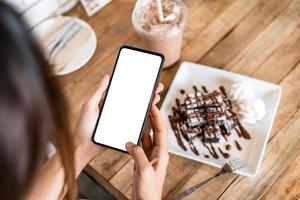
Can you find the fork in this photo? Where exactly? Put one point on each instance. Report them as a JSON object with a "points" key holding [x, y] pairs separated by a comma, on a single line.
{"points": [[69, 34], [228, 167]]}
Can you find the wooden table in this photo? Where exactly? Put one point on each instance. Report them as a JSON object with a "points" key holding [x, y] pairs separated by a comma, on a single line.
{"points": [[257, 38]]}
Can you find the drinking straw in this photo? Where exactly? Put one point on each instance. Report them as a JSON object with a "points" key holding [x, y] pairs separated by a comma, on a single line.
{"points": [[160, 10]]}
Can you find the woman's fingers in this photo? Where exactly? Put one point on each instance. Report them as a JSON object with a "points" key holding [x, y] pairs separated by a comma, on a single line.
{"points": [[159, 88], [147, 144], [138, 155], [94, 100], [160, 140], [156, 99], [160, 134]]}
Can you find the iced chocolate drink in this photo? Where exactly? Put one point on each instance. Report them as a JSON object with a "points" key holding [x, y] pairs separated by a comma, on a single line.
{"points": [[159, 34]]}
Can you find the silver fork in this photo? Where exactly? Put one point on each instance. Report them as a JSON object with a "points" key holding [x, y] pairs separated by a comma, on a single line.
{"points": [[228, 167]]}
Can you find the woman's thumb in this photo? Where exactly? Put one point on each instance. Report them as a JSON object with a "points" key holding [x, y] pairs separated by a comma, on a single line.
{"points": [[96, 97], [138, 155]]}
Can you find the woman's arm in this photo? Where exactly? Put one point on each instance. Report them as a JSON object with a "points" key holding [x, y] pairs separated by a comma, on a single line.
{"points": [[49, 181]]}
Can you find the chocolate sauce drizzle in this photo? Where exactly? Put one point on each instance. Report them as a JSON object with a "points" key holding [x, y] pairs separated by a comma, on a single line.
{"points": [[204, 89], [206, 117], [238, 146], [225, 155], [228, 147], [195, 88], [182, 91], [177, 133]]}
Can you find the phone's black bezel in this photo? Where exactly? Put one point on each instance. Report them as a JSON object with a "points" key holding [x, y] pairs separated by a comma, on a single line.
{"points": [[149, 104]]}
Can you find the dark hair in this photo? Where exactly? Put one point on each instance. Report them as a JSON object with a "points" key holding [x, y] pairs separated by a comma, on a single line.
{"points": [[32, 111]]}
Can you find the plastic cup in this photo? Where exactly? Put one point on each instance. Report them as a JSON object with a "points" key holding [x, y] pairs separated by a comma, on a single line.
{"points": [[163, 37]]}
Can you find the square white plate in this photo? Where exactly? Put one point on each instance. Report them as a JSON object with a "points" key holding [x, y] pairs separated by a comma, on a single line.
{"points": [[190, 74]]}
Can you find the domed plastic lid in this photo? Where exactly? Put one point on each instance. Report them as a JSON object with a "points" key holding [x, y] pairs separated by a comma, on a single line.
{"points": [[147, 20]]}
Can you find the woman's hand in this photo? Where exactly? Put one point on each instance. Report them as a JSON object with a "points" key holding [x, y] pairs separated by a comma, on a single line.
{"points": [[88, 118], [150, 163], [87, 121]]}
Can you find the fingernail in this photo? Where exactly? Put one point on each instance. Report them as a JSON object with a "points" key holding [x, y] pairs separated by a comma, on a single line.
{"points": [[158, 98], [129, 144]]}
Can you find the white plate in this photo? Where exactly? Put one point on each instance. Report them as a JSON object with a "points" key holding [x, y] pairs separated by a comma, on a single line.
{"points": [[190, 74], [66, 6], [83, 55]]}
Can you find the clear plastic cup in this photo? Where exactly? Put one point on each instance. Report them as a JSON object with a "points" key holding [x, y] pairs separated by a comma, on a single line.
{"points": [[163, 37]]}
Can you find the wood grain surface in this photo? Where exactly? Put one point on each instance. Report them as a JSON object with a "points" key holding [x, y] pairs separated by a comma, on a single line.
{"points": [[257, 38]]}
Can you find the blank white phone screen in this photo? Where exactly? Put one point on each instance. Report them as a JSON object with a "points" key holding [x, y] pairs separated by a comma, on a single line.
{"points": [[128, 98]]}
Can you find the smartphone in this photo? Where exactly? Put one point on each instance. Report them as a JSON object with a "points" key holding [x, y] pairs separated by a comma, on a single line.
{"points": [[129, 97]]}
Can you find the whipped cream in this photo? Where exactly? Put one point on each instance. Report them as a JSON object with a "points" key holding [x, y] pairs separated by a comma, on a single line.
{"points": [[241, 91], [250, 108]]}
